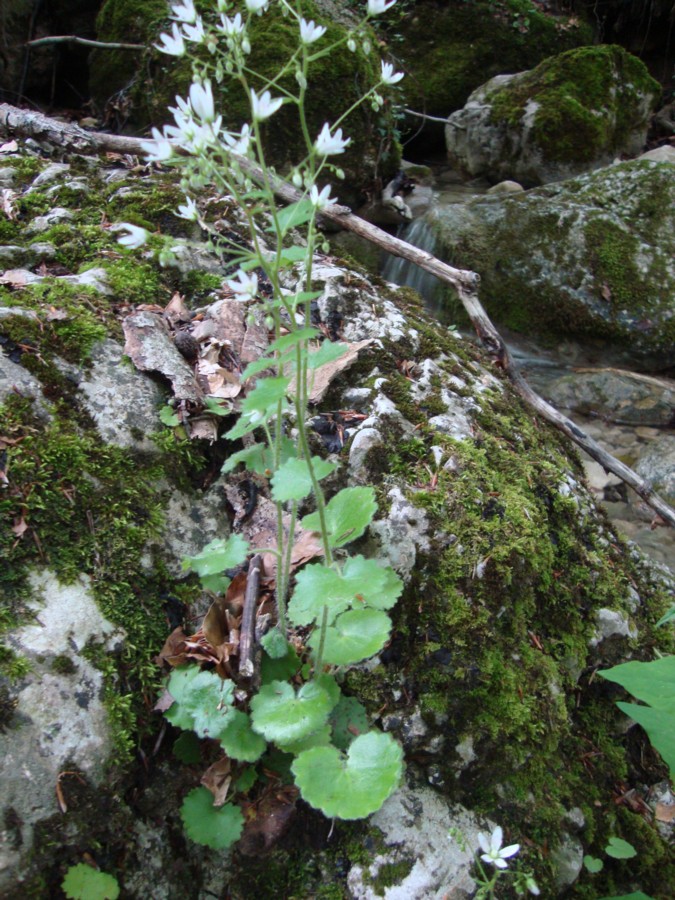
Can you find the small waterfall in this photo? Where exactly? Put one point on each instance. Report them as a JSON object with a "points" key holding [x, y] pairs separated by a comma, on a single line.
{"points": [[420, 234]]}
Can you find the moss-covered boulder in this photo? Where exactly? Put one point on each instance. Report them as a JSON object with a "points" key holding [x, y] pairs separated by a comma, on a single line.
{"points": [[449, 49], [572, 113], [140, 89], [589, 258]]}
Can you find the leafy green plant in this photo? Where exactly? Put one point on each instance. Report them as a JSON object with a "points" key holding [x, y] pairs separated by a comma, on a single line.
{"points": [[336, 613], [653, 683], [82, 882]]}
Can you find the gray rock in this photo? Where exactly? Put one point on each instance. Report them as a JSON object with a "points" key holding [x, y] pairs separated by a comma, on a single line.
{"points": [[362, 443], [54, 217], [567, 860], [416, 825], [533, 127], [657, 467], [14, 379], [617, 396], [50, 173], [7, 177], [611, 623], [402, 533], [59, 720], [123, 402], [665, 153]]}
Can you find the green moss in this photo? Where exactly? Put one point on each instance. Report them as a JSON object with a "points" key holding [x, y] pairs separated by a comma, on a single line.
{"points": [[470, 43], [590, 99], [134, 281], [63, 665]]}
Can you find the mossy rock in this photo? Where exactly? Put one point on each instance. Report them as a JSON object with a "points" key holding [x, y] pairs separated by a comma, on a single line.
{"points": [[590, 258], [151, 83], [449, 49], [572, 113]]}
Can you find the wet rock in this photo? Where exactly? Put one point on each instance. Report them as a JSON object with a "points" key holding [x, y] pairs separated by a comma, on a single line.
{"points": [[657, 467]]}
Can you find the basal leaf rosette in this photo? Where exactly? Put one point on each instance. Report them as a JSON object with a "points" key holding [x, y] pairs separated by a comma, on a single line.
{"points": [[351, 785], [283, 716], [216, 827], [355, 635], [82, 882]]}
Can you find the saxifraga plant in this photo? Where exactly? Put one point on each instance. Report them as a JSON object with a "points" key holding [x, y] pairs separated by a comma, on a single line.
{"points": [[339, 765]]}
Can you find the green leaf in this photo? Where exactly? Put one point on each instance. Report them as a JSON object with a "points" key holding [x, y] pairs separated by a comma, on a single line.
{"points": [[659, 723], [356, 635], [348, 720], [636, 895], [351, 786], [293, 215], [259, 458], [168, 416], [205, 824], [361, 583], [348, 515], [327, 352], [288, 341], [669, 616], [218, 555], [239, 740], [279, 669], [292, 254], [218, 584], [617, 848], [246, 780], [281, 716], [320, 738], [179, 686], [275, 644], [84, 883], [209, 701], [215, 407], [259, 406], [292, 481], [593, 864], [653, 682], [186, 748]]}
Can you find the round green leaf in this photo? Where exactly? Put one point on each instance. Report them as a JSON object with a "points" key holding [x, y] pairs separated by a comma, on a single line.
{"points": [[292, 480], [320, 738], [316, 587], [351, 786], [374, 585], [356, 635], [348, 720], [275, 644], [593, 864], [206, 824], [239, 740], [620, 849], [347, 515], [218, 555], [84, 883], [279, 715]]}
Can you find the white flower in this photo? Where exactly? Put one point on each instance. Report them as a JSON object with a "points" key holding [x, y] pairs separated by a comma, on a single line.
{"points": [[201, 101], [328, 144], [257, 6], [246, 287], [322, 198], [159, 149], [376, 7], [232, 27], [309, 32], [173, 43], [239, 143], [194, 32], [264, 106], [135, 238], [388, 75], [189, 211], [185, 13], [493, 852]]}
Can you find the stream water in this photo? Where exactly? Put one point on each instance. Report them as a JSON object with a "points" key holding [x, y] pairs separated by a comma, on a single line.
{"points": [[543, 368]]}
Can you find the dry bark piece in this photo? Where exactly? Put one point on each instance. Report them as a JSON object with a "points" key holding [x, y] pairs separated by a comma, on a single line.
{"points": [[149, 345]]}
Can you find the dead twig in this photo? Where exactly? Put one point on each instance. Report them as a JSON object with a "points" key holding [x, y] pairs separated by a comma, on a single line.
{"points": [[247, 634], [73, 39]]}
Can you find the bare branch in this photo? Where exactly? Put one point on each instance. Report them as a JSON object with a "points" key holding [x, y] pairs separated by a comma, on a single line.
{"points": [[73, 39]]}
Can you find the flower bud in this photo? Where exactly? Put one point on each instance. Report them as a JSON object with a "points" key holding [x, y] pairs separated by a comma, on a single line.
{"points": [[351, 45]]}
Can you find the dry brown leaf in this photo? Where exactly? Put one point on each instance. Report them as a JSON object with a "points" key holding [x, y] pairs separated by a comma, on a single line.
{"points": [[214, 626], [217, 381], [267, 820], [173, 651], [54, 314], [203, 428], [665, 812], [165, 701], [9, 147], [321, 378], [217, 779], [176, 311], [14, 277], [20, 526], [7, 198]]}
